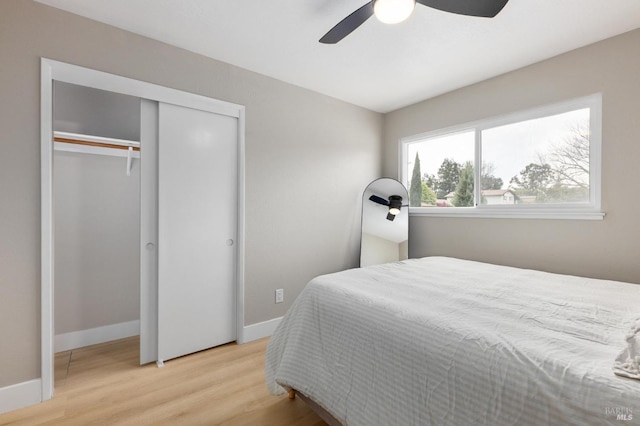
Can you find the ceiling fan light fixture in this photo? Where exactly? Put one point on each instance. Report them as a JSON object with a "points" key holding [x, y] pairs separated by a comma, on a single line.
{"points": [[395, 203], [393, 11]]}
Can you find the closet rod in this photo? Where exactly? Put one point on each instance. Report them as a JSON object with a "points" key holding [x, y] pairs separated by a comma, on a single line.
{"points": [[99, 144]]}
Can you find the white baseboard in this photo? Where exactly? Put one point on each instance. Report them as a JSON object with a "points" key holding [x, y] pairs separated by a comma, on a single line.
{"points": [[20, 395], [259, 330], [93, 336]]}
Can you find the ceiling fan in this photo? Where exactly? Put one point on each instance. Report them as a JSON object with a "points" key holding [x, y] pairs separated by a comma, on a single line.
{"points": [[394, 202], [394, 11]]}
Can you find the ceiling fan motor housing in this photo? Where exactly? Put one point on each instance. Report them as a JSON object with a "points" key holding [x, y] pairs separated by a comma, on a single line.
{"points": [[395, 201]]}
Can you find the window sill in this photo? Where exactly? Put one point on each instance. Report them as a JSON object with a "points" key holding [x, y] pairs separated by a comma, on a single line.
{"points": [[486, 213]]}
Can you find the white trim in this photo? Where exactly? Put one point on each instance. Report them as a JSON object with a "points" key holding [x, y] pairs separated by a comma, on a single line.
{"points": [[470, 212], [93, 336], [46, 226], [595, 150], [20, 395], [260, 330], [114, 83], [59, 71], [240, 329]]}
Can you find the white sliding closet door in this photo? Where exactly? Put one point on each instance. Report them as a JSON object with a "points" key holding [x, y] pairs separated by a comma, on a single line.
{"points": [[197, 214], [148, 231]]}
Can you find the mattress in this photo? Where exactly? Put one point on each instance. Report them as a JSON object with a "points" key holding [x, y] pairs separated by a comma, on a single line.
{"points": [[443, 341]]}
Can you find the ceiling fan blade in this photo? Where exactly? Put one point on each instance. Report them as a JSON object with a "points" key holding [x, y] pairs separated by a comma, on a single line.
{"points": [[482, 8], [348, 24], [391, 216], [379, 200]]}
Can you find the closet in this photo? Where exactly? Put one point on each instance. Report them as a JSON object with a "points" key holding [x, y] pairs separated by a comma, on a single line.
{"points": [[96, 181], [145, 223]]}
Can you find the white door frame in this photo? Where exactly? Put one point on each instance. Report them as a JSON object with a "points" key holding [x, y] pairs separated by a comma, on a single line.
{"points": [[54, 70]]}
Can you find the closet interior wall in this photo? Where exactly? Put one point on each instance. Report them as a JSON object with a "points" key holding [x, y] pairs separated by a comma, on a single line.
{"points": [[96, 220]]}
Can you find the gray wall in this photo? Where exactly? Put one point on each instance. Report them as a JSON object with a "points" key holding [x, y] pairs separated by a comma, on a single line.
{"points": [[80, 109], [97, 233], [603, 249], [305, 154]]}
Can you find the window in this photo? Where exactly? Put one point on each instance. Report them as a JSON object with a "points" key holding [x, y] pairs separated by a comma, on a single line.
{"points": [[541, 163]]}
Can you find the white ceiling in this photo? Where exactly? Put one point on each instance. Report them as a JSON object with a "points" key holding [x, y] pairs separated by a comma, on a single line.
{"points": [[380, 67]]}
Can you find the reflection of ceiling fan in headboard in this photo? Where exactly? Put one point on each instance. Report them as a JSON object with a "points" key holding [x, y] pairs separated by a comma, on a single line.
{"points": [[394, 11]]}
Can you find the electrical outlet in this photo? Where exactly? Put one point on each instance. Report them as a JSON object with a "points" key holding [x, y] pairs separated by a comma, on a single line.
{"points": [[280, 295]]}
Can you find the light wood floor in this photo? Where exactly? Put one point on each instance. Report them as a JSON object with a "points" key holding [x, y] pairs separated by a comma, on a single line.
{"points": [[104, 385]]}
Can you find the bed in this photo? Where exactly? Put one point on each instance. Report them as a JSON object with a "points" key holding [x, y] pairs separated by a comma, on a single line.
{"points": [[443, 341]]}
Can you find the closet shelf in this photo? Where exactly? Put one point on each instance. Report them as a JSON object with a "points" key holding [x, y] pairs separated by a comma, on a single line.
{"points": [[97, 141], [88, 144]]}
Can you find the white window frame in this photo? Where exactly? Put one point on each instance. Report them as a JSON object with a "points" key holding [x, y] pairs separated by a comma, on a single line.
{"points": [[588, 211]]}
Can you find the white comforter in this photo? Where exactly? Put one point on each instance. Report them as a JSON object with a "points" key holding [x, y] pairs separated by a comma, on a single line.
{"points": [[441, 341]]}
